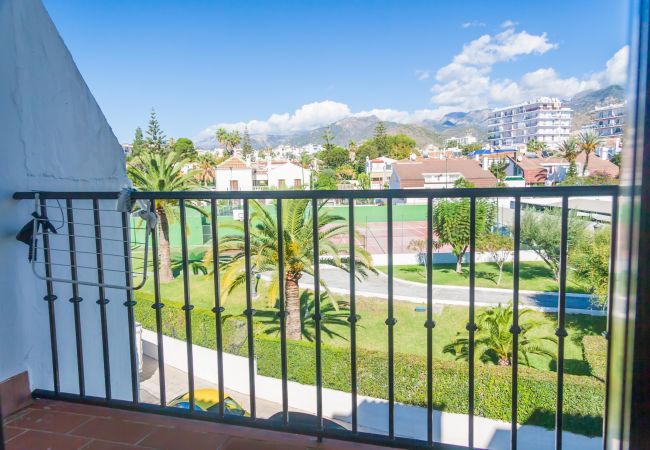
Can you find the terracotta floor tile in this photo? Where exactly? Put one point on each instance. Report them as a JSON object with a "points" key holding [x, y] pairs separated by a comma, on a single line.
{"points": [[105, 445], [43, 420], [116, 430], [42, 440], [172, 439], [11, 432], [251, 444]]}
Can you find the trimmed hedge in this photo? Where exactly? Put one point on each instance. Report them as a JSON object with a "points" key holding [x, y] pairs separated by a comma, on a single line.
{"points": [[584, 396], [594, 349]]}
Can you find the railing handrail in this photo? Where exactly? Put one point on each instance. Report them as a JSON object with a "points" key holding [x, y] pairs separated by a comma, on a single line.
{"points": [[501, 192]]}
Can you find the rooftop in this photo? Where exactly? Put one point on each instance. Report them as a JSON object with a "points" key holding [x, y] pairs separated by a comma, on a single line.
{"points": [[411, 173]]}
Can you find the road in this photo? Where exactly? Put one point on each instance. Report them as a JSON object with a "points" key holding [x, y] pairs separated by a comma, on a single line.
{"points": [[376, 286]]}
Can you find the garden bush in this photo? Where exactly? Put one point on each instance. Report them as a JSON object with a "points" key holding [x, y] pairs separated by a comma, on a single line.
{"points": [[584, 396], [595, 353]]}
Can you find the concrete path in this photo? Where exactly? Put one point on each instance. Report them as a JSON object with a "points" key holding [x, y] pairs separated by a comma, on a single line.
{"points": [[376, 286]]}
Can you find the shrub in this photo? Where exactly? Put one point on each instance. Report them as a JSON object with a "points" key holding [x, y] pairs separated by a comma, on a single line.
{"points": [[584, 397], [594, 350]]}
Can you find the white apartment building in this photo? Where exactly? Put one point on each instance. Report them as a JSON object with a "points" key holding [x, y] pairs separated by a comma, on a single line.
{"points": [[608, 121], [544, 120], [461, 141]]}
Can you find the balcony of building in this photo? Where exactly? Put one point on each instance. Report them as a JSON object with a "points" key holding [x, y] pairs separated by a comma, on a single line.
{"points": [[105, 347]]}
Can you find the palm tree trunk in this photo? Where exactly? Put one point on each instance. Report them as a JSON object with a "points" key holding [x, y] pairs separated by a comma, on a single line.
{"points": [[163, 249], [584, 168], [292, 306]]}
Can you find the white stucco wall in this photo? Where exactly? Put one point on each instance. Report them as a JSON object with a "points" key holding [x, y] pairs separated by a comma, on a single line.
{"points": [[288, 172], [54, 137], [244, 178]]}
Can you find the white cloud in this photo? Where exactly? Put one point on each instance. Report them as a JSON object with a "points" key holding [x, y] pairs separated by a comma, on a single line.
{"points": [[509, 24], [423, 74], [466, 82], [473, 23], [311, 115], [462, 85]]}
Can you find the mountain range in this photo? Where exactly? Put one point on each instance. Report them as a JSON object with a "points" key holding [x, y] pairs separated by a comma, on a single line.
{"points": [[455, 124]]}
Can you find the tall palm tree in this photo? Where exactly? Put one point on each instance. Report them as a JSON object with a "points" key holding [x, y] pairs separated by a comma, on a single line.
{"points": [[205, 169], [298, 253], [493, 340], [163, 172], [570, 151], [589, 142]]}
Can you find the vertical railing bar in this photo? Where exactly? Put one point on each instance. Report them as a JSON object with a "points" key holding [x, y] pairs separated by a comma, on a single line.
{"points": [[103, 301], [249, 308], [352, 318], [610, 298], [317, 317], [471, 326], [157, 306], [282, 314], [218, 309], [75, 300], [130, 303], [187, 306], [430, 323], [560, 332], [50, 298], [390, 321], [515, 330]]}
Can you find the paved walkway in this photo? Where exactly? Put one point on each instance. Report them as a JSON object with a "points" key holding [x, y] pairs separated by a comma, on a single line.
{"points": [[377, 285]]}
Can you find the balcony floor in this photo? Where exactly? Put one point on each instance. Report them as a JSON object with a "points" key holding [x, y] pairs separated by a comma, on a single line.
{"points": [[57, 425]]}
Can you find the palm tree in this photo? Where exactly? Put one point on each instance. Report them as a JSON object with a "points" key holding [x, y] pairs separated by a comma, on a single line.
{"points": [[163, 172], [305, 161], [493, 340], [331, 316], [205, 172], [570, 151], [298, 253], [589, 142]]}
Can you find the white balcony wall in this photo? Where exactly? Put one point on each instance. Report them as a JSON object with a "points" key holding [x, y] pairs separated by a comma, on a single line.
{"points": [[54, 137]]}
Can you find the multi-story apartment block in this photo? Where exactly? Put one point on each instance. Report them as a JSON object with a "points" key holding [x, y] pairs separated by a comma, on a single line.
{"points": [[608, 121], [544, 120], [460, 141]]}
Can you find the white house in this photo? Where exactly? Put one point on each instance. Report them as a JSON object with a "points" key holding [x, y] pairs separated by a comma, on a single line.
{"points": [[287, 175], [234, 174], [379, 171]]}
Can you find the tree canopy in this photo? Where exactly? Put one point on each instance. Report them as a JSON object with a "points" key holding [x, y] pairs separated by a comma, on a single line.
{"points": [[542, 233], [334, 156], [452, 225], [184, 147]]}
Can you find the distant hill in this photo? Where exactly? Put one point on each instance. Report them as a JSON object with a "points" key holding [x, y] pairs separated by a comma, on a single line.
{"points": [[455, 124], [584, 102]]}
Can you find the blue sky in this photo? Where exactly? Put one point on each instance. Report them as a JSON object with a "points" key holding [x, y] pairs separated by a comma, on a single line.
{"points": [[204, 63]]}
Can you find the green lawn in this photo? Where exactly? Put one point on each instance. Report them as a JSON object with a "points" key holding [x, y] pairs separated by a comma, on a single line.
{"points": [[533, 276], [410, 334], [374, 213]]}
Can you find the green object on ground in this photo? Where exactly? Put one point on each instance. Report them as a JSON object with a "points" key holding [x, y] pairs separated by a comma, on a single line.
{"points": [[533, 276], [584, 395]]}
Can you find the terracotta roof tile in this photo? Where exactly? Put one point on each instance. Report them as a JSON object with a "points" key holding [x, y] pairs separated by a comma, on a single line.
{"points": [[411, 173], [233, 162]]}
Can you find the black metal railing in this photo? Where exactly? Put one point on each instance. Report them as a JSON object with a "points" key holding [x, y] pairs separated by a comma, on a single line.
{"points": [[99, 207]]}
